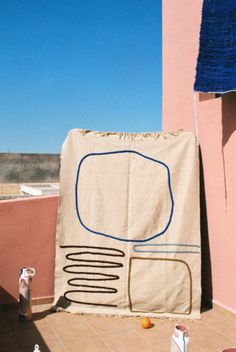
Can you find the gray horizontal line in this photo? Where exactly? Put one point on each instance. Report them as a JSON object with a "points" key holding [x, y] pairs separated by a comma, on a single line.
{"points": [[137, 248], [159, 251], [167, 244]]}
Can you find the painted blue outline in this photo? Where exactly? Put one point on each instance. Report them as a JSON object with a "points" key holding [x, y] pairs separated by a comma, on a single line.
{"points": [[115, 237]]}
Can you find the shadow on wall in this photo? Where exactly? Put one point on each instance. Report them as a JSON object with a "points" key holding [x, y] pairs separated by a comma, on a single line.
{"points": [[228, 116], [228, 128], [206, 273]]}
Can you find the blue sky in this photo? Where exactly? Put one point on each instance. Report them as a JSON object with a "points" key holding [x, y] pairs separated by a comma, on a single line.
{"points": [[64, 64]]}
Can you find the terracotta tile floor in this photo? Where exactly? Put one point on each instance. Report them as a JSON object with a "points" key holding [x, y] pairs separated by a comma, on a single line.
{"points": [[63, 332]]}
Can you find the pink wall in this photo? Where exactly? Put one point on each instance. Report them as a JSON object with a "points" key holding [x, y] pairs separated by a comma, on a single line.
{"points": [[27, 238], [217, 126]]}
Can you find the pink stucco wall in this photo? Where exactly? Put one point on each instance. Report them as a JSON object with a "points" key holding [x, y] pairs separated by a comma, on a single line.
{"points": [[217, 126], [27, 238]]}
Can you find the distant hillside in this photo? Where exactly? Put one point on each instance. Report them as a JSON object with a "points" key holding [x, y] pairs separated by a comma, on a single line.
{"points": [[18, 168]]}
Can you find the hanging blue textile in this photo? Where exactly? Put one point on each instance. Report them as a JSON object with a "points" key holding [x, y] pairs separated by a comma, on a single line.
{"points": [[216, 65]]}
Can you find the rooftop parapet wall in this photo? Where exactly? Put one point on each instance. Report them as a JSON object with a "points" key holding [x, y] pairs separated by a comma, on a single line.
{"points": [[27, 237]]}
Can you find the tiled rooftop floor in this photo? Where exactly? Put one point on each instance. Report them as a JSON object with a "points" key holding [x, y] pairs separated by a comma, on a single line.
{"points": [[60, 332]]}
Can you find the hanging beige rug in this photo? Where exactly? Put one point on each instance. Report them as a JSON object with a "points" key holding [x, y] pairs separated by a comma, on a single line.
{"points": [[128, 235]]}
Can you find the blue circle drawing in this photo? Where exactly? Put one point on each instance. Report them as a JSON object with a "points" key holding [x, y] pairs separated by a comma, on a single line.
{"points": [[117, 237]]}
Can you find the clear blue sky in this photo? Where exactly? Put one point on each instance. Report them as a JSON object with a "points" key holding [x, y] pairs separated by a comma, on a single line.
{"points": [[93, 64]]}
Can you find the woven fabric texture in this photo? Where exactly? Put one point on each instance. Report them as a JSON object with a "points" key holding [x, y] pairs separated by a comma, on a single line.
{"points": [[216, 65], [128, 234]]}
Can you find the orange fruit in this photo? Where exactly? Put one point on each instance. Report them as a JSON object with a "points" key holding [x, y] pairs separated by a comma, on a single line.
{"points": [[146, 323]]}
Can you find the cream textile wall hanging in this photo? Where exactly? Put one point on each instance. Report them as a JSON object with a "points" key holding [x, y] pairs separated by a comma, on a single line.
{"points": [[128, 234]]}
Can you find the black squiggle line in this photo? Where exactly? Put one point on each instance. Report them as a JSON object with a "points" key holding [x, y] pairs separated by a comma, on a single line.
{"points": [[104, 264], [92, 264], [105, 277], [101, 289], [119, 252], [70, 255]]}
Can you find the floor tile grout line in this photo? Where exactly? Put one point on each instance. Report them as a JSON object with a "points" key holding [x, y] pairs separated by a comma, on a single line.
{"points": [[194, 344], [209, 325], [97, 334], [215, 331], [140, 335], [198, 347], [227, 319], [221, 316], [227, 314], [220, 333], [57, 336]]}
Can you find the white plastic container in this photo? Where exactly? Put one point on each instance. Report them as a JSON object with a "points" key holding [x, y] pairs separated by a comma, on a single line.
{"points": [[180, 339], [25, 312]]}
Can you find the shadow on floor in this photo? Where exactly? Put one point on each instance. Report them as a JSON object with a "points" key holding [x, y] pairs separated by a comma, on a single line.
{"points": [[15, 335], [41, 315]]}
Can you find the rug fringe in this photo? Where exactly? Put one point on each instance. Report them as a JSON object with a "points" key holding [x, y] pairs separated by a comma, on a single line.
{"points": [[131, 135]]}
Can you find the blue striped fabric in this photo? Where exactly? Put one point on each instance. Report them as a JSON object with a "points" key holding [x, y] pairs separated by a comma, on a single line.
{"points": [[216, 65]]}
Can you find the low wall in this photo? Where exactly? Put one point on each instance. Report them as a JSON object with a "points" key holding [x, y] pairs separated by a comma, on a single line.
{"points": [[27, 238]]}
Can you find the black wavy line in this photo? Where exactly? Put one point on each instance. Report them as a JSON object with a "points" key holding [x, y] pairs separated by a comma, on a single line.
{"points": [[107, 266], [104, 289], [120, 252], [88, 263], [106, 277]]}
